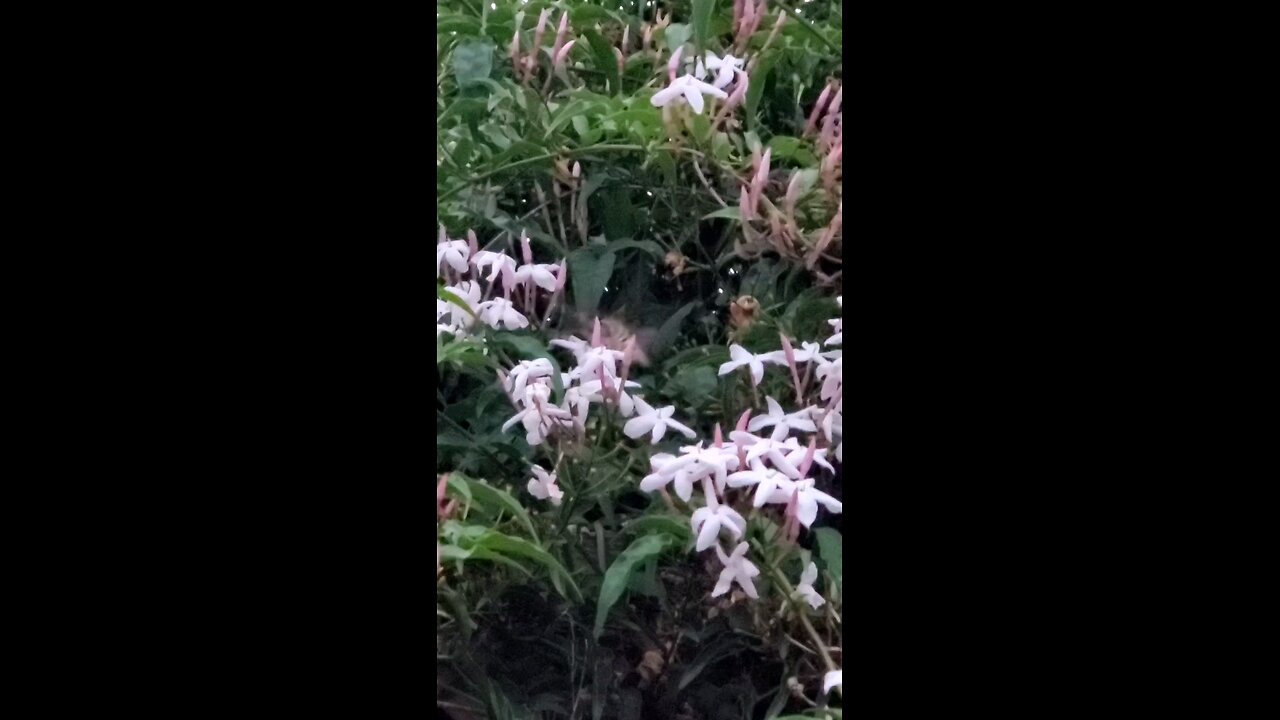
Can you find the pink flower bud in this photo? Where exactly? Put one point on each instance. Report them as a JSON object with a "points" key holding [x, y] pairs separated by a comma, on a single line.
{"points": [[647, 37], [472, 243], [515, 49], [719, 438], [808, 456], [526, 248], [564, 53], [793, 194], [834, 107], [595, 335], [626, 33], [674, 63], [743, 420], [577, 168], [555, 48], [622, 62], [561, 273], [744, 205], [817, 110], [628, 355]]}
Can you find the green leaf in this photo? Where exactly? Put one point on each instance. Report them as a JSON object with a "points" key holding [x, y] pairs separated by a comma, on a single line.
{"points": [[619, 573], [784, 146], [666, 334], [692, 385], [677, 527], [605, 62], [618, 220], [677, 34], [702, 23], [756, 87], [495, 500], [508, 545], [648, 246], [589, 271], [472, 62], [733, 212], [830, 549], [449, 297]]}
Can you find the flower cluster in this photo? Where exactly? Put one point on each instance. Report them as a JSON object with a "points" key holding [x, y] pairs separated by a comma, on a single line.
{"points": [[599, 377], [456, 259]]}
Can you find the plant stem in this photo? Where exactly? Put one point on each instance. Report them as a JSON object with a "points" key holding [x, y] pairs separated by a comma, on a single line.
{"points": [[804, 619]]}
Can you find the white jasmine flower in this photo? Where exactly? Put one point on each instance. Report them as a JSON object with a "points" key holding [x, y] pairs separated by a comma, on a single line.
{"points": [[454, 252], [592, 392], [767, 448], [691, 89], [524, 372], [805, 587], [666, 468], [832, 679], [838, 326], [807, 499], [736, 569], [742, 357], [796, 455], [725, 66], [544, 276], [543, 486], [833, 376], [710, 520], [500, 312], [771, 485], [782, 422], [501, 263], [574, 344], [647, 418]]}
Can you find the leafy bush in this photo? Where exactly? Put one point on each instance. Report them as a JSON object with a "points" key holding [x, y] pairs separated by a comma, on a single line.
{"points": [[638, 352]]}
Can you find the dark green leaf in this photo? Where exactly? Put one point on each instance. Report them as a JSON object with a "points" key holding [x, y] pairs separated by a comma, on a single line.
{"points": [[619, 573], [472, 62], [784, 146], [733, 212], [604, 59], [830, 550], [702, 23], [677, 34], [756, 87], [667, 332], [589, 271]]}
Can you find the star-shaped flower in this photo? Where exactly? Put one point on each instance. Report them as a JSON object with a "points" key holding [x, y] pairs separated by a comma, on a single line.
{"points": [[454, 252], [544, 276], [725, 66], [832, 679], [709, 521], [741, 357], [691, 89], [805, 587], [648, 419], [737, 568], [807, 499], [769, 449], [499, 312], [771, 485], [783, 423], [543, 486], [502, 265], [527, 370], [666, 468]]}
